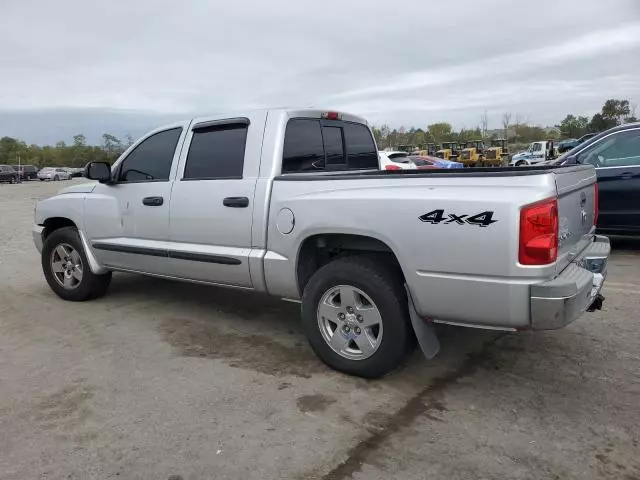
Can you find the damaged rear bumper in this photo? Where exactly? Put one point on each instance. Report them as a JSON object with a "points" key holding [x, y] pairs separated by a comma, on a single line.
{"points": [[559, 302]]}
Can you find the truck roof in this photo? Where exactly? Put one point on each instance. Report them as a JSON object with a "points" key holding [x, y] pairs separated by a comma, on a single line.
{"points": [[285, 112]]}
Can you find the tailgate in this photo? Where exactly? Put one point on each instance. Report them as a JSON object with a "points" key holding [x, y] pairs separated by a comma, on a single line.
{"points": [[576, 211]]}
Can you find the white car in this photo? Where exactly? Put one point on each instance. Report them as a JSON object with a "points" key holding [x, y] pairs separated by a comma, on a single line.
{"points": [[54, 173], [396, 160]]}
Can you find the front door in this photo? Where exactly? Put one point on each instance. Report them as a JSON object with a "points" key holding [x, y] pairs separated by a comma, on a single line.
{"points": [[212, 200], [617, 161], [127, 221]]}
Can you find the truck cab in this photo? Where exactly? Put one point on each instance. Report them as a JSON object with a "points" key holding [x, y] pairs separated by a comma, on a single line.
{"points": [[536, 152]]}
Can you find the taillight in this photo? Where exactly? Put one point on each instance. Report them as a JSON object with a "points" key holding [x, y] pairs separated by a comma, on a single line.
{"points": [[331, 115], [539, 233], [596, 203], [392, 167]]}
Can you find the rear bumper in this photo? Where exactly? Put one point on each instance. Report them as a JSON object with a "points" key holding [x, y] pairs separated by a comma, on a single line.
{"points": [[559, 302]]}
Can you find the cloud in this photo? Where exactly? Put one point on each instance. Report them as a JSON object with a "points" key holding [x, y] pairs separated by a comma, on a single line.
{"points": [[409, 62], [588, 46]]}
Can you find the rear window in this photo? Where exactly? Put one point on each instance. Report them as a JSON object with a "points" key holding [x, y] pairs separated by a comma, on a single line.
{"points": [[333, 147], [316, 145], [303, 148], [361, 150]]}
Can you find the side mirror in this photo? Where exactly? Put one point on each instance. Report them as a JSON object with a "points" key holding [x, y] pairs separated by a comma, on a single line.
{"points": [[100, 171]]}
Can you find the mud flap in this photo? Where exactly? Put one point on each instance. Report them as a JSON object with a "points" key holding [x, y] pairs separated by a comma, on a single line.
{"points": [[424, 331]]}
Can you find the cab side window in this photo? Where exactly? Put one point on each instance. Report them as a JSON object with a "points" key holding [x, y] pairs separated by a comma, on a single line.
{"points": [[621, 149], [151, 160], [216, 153]]}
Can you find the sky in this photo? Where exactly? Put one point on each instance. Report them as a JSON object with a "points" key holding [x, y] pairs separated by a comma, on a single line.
{"points": [[73, 66]]}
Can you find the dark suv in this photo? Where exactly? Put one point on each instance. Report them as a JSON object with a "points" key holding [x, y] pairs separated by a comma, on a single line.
{"points": [[616, 156], [8, 174], [27, 172]]}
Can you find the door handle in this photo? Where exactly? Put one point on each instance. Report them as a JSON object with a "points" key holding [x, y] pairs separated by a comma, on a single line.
{"points": [[236, 202], [153, 201], [626, 175]]}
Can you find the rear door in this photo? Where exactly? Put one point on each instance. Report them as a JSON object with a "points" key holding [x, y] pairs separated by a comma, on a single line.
{"points": [[212, 200], [617, 161]]}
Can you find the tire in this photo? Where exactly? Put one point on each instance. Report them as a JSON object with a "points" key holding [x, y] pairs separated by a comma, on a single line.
{"points": [[521, 163], [13, 180], [56, 178], [382, 285], [89, 285]]}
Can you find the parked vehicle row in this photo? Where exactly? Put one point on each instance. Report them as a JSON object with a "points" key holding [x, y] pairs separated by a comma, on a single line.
{"points": [[22, 173], [293, 203]]}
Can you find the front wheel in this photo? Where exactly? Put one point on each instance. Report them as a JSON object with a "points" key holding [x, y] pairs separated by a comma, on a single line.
{"points": [[521, 163], [355, 315], [56, 178], [66, 268]]}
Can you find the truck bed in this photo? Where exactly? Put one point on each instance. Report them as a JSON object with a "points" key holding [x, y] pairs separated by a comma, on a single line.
{"points": [[455, 232], [436, 172]]}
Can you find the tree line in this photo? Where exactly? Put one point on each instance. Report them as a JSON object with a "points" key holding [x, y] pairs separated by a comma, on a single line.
{"points": [[515, 128], [78, 154]]}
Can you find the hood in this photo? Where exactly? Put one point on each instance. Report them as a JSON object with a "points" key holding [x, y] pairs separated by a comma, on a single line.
{"points": [[520, 156], [82, 188]]}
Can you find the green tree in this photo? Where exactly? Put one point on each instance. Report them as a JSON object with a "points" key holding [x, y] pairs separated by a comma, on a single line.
{"points": [[440, 132], [10, 149], [79, 140], [616, 111], [111, 146], [573, 127], [599, 124]]}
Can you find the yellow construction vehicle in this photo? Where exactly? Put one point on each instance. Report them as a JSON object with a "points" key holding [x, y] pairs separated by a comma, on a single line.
{"points": [[430, 151], [473, 154], [497, 153], [449, 151]]}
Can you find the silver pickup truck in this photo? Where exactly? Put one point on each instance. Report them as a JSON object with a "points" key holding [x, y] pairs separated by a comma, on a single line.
{"points": [[292, 203]]}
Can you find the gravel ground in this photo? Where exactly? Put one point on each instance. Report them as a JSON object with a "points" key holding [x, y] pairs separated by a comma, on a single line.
{"points": [[160, 380]]}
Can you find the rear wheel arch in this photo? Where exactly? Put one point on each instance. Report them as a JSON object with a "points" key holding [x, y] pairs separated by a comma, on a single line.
{"points": [[317, 250]]}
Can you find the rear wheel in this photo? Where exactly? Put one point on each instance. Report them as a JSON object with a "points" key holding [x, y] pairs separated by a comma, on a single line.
{"points": [[66, 268], [355, 315], [56, 178]]}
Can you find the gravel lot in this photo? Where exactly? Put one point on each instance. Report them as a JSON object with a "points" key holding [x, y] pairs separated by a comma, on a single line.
{"points": [[161, 380]]}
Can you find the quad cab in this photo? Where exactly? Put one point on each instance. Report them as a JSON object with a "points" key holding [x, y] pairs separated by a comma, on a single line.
{"points": [[292, 203]]}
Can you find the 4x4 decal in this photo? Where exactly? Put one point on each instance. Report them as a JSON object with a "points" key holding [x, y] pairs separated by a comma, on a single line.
{"points": [[435, 217]]}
